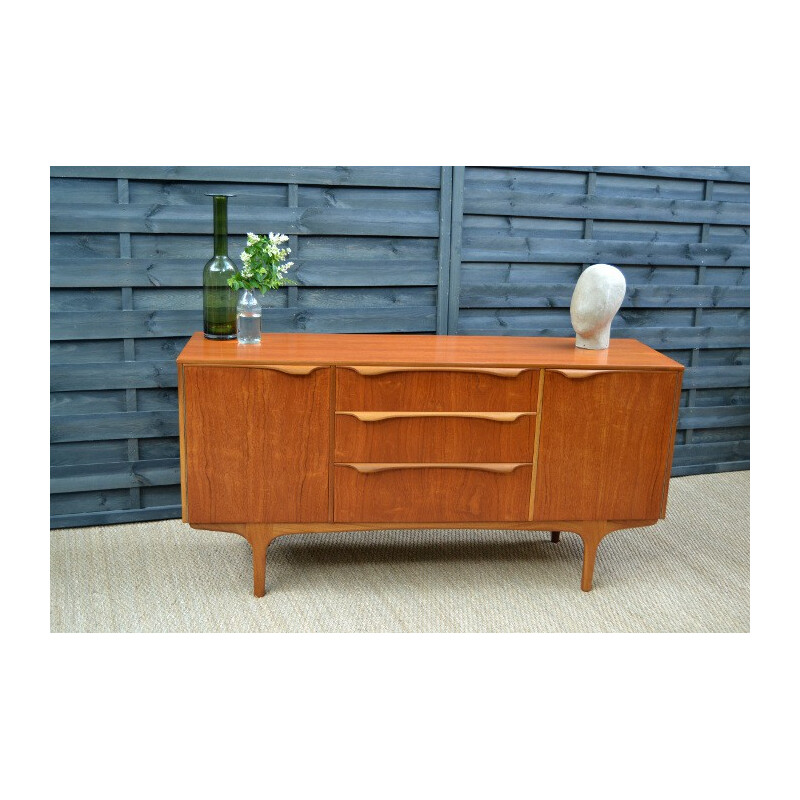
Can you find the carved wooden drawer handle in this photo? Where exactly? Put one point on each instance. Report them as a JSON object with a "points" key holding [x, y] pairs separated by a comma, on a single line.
{"points": [[497, 468], [583, 373], [494, 416], [500, 372], [289, 369]]}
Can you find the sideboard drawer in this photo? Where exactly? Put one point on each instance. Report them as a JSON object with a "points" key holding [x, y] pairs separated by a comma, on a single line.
{"points": [[421, 389], [431, 492], [498, 436]]}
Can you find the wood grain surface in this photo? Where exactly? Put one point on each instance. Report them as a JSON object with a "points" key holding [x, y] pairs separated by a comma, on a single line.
{"points": [[257, 445], [429, 493], [416, 351], [604, 446], [434, 391], [435, 438]]}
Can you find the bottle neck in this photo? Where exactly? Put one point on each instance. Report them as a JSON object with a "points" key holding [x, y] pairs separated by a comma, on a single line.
{"points": [[220, 226]]}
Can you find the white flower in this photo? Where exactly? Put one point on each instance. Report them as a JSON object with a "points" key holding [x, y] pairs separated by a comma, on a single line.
{"points": [[245, 256], [252, 238]]}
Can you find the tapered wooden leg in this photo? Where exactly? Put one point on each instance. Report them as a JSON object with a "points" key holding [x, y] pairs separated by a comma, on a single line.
{"points": [[555, 536], [259, 568], [259, 537], [592, 534]]}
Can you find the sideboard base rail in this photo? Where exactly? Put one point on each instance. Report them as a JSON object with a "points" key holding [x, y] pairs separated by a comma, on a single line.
{"points": [[260, 535]]}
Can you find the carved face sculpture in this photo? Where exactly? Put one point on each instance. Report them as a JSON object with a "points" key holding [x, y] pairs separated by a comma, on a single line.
{"points": [[596, 299]]}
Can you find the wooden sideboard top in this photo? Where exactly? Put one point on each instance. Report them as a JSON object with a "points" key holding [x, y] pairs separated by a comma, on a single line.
{"points": [[427, 350]]}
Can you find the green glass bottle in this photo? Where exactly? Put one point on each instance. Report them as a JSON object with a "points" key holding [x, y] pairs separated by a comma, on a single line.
{"points": [[219, 300]]}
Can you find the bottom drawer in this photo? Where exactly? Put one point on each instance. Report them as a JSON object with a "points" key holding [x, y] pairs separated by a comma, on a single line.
{"points": [[431, 492]]}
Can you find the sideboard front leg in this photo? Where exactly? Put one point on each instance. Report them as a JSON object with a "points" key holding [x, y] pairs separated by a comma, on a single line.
{"points": [[259, 537], [592, 534]]}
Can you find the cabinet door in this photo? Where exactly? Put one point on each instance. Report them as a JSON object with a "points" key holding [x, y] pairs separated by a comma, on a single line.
{"points": [[256, 444], [605, 444]]}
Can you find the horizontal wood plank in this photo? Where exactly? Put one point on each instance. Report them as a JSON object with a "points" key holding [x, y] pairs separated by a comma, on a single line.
{"points": [[125, 425], [120, 475], [734, 174], [709, 469], [135, 324], [109, 375], [532, 249], [711, 453], [188, 272], [115, 517], [422, 177], [162, 218], [716, 377], [659, 338], [714, 417], [534, 295], [516, 202]]}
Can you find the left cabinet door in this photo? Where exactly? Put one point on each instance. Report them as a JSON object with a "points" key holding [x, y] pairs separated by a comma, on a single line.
{"points": [[256, 444]]}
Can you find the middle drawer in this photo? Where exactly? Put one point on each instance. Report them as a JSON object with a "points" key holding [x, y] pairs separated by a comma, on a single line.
{"points": [[412, 436]]}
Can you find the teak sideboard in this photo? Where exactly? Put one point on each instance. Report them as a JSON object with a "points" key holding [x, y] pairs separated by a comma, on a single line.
{"points": [[340, 432]]}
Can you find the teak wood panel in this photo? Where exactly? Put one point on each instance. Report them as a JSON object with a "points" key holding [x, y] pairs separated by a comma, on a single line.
{"points": [[431, 493], [257, 445], [423, 350], [439, 390], [435, 438], [605, 444]]}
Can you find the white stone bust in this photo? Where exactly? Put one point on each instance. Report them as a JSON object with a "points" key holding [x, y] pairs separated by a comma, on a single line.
{"points": [[596, 299]]}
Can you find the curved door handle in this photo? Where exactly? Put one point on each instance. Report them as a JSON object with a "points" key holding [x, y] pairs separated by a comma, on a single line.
{"points": [[500, 372], [289, 369], [368, 469], [577, 374], [494, 416]]}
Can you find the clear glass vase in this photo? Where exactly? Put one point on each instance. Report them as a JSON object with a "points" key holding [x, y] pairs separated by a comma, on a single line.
{"points": [[248, 318]]}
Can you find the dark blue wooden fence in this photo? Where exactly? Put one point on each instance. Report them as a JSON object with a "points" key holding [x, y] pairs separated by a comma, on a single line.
{"points": [[476, 250]]}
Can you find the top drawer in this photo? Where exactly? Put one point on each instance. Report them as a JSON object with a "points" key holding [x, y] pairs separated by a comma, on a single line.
{"points": [[434, 389]]}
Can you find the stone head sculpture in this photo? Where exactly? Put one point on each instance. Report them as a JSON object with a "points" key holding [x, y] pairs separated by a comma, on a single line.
{"points": [[597, 297]]}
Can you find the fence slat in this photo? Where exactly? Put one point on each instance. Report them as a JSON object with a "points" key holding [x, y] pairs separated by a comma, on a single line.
{"points": [[180, 272], [714, 417], [161, 218], [124, 425], [716, 377], [120, 475], [78, 325], [535, 295], [420, 177], [518, 203], [735, 174], [106, 375], [532, 249], [115, 517]]}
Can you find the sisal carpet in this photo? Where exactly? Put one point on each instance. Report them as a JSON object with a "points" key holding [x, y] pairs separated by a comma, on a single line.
{"points": [[689, 573]]}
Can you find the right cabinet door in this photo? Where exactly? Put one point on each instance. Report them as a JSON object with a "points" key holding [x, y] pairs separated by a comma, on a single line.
{"points": [[605, 444]]}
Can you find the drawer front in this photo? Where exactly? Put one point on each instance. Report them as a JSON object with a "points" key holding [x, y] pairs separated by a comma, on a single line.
{"points": [[434, 436], [419, 389], [431, 493]]}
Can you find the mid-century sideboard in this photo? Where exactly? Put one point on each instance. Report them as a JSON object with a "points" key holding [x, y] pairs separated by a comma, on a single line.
{"points": [[339, 432]]}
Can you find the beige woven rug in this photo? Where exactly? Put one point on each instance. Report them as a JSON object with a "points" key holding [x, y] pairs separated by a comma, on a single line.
{"points": [[689, 573]]}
